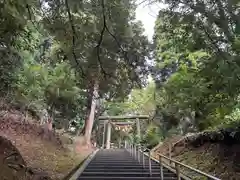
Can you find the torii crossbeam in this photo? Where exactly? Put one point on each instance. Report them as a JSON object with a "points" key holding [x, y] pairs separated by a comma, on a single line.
{"points": [[123, 117], [116, 120]]}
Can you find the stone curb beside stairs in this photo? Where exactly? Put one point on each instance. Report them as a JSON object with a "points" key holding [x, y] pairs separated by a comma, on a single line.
{"points": [[76, 175]]}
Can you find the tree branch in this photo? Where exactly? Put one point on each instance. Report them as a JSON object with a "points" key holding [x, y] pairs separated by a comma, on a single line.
{"points": [[73, 37], [115, 38], [105, 74], [204, 28], [200, 7], [30, 18]]}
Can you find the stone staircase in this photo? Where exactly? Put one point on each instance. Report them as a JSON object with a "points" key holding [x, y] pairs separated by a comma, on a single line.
{"points": [[118, 164]]}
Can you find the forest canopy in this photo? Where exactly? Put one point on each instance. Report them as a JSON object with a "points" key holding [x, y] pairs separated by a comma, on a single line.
{"points": [[81, 59]]}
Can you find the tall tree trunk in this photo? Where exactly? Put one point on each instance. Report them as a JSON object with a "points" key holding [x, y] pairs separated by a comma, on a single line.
{"points": [[82, 131], [90, 119], [89, 105]]}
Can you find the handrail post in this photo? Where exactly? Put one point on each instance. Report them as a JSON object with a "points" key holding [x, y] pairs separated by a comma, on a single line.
{"points": [[131, 150], [136, 146], [143, 159], [161, 167], [177, 171], [135, 151], [170, 150], [150, 163], [139, 149]]}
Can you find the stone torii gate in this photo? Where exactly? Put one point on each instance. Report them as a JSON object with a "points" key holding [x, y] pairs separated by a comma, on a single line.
{"points": [[110, 120]]}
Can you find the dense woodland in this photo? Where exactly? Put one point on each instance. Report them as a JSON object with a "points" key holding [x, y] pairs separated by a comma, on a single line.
{"points": [[82, 59]]}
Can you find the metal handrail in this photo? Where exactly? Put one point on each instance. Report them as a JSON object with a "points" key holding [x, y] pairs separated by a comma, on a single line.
{"points": [[189, 167], [134, 152]]}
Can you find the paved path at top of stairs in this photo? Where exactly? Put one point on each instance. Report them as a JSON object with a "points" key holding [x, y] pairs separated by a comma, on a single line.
{"points": [[118, 164]]}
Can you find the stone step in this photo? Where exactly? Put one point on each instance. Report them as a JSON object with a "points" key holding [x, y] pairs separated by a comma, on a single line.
{"points": [[115, 164], [100, 169], [123, 178], [127, 174], [120, 165]]}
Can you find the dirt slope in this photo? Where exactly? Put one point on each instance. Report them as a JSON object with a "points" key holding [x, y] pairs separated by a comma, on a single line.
{"points": [[216, 157], [44, 154]]}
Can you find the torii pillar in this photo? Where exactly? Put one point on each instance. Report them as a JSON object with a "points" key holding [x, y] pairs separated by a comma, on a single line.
{"points": [[138, 128], [108, 140], [104, 134]]}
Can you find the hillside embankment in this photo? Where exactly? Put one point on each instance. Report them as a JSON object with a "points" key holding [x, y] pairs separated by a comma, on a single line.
{"points": [[27, 152], [213, 152]]}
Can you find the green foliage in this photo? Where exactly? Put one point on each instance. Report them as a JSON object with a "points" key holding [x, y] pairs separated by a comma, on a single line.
{"points": [[152, 136], [100, 46], [196, 62], [55, 88], [9, 64], [53, 53], [139, 102], [14, 37]]}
